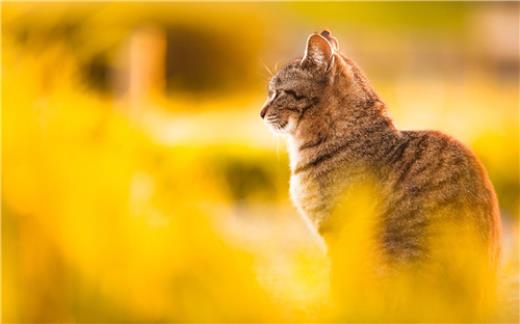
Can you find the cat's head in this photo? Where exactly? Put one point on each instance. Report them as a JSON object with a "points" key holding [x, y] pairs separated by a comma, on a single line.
{"points": [[308, 84]]}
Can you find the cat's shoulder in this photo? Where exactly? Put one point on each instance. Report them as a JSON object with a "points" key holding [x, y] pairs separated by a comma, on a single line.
{"points": [[435, 141]]}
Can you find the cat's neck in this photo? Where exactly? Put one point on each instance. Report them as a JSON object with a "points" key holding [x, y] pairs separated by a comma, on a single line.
{"points": [[363, 136]]}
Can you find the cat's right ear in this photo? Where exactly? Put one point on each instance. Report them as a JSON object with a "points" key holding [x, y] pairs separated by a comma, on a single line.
{"points": [[318, 53]]}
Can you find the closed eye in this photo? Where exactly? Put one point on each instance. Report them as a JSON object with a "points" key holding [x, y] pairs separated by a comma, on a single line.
{"points": [[293, 94]]}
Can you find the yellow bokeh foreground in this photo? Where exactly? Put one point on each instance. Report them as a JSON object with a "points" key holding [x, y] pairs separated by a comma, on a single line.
{"points": [[103, 224]]}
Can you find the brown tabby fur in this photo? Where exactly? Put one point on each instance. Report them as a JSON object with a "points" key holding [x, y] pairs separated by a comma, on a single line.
{"points": [[339, 134]]}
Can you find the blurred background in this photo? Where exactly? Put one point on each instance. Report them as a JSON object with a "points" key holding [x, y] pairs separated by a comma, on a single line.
{"points": [[139, 182]]}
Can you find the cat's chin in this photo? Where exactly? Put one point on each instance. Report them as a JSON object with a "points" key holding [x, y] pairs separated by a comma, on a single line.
{"points": [[286, 129], [277, 130]]}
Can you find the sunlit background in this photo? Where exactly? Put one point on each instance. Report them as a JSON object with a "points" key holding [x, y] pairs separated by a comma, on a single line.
{"points": [[140, 184]]}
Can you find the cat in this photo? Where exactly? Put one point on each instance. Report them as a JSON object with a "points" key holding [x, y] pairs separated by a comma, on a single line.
{"points": [[339, 133]]}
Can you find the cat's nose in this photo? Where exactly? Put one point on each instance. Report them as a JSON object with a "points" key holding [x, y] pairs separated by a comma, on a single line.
{"points": [[263, 112]]}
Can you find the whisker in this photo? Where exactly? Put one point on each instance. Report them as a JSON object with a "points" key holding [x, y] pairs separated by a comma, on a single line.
{"points": [[266, 68], [276, 66]]}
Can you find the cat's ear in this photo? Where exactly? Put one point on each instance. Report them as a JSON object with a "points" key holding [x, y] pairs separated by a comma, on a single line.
{"points": [[318, 53], [332, 40]]}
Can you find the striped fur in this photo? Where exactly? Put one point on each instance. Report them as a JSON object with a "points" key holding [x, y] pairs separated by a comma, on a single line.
{"points": [[339, 134]]}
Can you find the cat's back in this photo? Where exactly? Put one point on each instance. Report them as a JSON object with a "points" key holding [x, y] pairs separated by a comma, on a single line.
{"points": [[431, 177], [437, 162]]}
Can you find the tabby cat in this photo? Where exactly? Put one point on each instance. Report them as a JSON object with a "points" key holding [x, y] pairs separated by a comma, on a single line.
{"points": [[339, 133]]}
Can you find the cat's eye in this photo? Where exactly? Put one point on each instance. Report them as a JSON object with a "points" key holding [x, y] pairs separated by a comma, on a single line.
{"points": [[293, 94]]}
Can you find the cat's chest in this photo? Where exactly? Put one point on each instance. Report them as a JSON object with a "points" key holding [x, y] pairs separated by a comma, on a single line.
{"points": [[315, 194], [310, 198]]}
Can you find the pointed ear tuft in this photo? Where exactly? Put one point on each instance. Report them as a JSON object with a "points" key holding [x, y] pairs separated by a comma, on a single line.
{"points": [[318, 52], [325, 33]]}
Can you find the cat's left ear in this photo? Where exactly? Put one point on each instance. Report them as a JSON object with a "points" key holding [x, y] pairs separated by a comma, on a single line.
{"points": [[318, 53]]}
